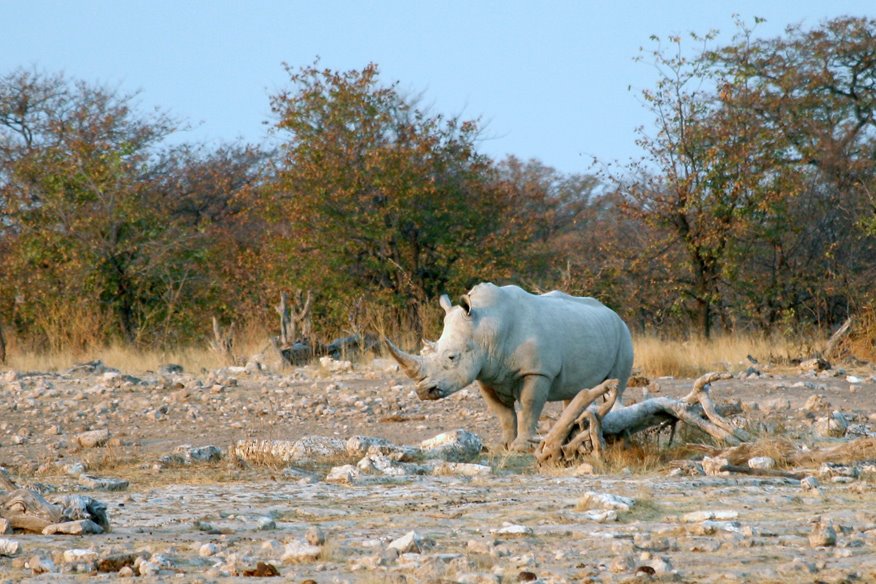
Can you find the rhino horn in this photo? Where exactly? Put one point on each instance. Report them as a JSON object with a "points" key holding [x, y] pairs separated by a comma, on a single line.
{"points": [[410, 364]]}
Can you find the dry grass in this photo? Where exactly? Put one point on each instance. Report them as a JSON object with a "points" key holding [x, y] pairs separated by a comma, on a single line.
{"points": [[861, 342], [131, 359], [640, 456], [656, 357], [127, 359]]}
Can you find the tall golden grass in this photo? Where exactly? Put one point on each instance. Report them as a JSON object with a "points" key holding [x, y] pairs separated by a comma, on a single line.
{"points": [[654, 356], [657, 357], [130, 358]]}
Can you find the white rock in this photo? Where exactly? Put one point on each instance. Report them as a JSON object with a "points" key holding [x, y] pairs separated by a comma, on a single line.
{"points": [[816, 364], [74, 468], [208, 453], [79, 527], [512, 530], [709, 527], [315, 535], [149, 568], [335, 366], [455, 446], [75, 556], [713, 465], [102, 483], [265, 524], [833, 426], [360, 445], [854, 379], [208, 549], [775, 404], [308, 448], [343, 475], [823, 534], [583, 469], [810, 484], [816, 402], [272, 547], [383, 465], [605, 516], [298, 552], [594, 500], [41, 565], [9, 547], [409, 543], [465, 469], [317, 447], [93, 438], [697, 516], [761, 462]]}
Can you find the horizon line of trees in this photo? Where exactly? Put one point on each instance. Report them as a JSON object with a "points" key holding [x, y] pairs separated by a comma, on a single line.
{"points": [[752, 209]]}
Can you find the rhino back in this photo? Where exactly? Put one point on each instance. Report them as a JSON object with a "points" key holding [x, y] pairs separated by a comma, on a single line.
{"points": [[577, 342]]}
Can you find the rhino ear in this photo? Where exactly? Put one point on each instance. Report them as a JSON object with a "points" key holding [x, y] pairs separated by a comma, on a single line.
{"points": [[444, 301], [465, 302]]}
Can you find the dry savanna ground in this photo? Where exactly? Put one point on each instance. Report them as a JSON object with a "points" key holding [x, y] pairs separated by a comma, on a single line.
{"points": [[321, 474]]}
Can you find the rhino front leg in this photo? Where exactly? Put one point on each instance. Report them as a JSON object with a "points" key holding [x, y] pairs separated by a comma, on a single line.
{"points": [[533, 396], [502, 410]]}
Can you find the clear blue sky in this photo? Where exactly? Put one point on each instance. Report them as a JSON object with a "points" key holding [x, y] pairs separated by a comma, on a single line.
{"points": [[549, 79]]}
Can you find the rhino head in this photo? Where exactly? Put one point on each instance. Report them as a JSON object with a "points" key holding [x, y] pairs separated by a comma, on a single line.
{"points": [[449, 364]]}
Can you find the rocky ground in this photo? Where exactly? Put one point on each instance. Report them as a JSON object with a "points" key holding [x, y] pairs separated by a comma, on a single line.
{"points": [[327, 474]]}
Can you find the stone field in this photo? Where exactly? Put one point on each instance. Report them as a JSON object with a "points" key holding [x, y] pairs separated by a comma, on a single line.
{"points": [[338, 473]]}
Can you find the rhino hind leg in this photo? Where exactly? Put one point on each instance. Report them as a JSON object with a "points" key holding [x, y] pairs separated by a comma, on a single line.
{"points": [[503, 411]]}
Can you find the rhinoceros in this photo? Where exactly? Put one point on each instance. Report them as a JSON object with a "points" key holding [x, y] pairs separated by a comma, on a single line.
{"points": [[521, 347]]}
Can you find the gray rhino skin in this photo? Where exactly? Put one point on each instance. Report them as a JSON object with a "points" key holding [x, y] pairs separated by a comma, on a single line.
{"points": [[521, 347]]}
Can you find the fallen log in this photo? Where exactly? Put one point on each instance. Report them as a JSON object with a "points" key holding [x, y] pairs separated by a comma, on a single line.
{"points": [[571, 421], [584, 429]]}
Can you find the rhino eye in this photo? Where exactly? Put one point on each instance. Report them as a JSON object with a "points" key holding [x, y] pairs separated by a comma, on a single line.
{"points": [[453, 357]]}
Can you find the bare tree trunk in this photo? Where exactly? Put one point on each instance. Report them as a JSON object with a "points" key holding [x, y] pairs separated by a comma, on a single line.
{"points": [[287, 325], [301, 314], [223, 342], [835, 338], [2, 346]]}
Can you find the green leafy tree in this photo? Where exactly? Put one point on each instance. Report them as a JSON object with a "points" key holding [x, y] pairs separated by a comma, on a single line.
{"points": [[701, 183], [813, 92], [102, 233], [375, 197]]}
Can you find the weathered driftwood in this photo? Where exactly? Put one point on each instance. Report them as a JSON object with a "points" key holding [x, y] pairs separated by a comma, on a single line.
{"points": [[572, 420], [583, 428], [29, 511]]}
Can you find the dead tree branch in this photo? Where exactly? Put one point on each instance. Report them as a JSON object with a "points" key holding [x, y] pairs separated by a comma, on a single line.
{"points": [[585, 429]]}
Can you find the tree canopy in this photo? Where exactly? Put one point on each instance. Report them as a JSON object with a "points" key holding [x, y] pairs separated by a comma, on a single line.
{"points": [[753, 206]]}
